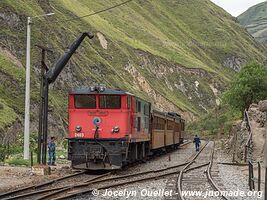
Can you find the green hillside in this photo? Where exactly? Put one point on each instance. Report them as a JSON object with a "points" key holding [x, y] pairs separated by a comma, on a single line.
{"points": [[177, 54], [255, 21]]}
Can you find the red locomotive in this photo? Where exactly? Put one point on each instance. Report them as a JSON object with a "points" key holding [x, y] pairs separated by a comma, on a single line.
{"points": [[111, 128]]}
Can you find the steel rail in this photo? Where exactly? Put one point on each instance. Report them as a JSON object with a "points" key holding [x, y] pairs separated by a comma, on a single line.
{"points": [[233, 164], [39, 185], [94, 180], [210, 179], [115, 185], [180, 177], [97, 180], [196, 167], [56, 189]]}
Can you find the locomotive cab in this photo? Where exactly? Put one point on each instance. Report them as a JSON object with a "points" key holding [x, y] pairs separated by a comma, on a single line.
{"points": [[99, 121]]}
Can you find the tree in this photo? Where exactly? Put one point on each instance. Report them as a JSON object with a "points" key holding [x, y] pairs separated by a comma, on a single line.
{"points": [[248, 86]]}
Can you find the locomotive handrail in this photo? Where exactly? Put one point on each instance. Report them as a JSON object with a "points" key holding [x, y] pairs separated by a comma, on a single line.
{"points": [[249, 140]]}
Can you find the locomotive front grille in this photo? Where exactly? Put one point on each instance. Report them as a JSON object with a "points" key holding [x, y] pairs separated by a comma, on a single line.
{"points": [[95, 152]]}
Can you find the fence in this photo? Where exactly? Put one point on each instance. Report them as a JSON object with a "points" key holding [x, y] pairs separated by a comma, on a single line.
{"points": [[249, 140]]}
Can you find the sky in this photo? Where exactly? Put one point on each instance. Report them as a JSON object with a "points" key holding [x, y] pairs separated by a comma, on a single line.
{"points": [[236, 7]]}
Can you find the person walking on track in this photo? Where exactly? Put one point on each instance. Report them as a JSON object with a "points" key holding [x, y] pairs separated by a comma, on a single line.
{"points": [[197, 142]]}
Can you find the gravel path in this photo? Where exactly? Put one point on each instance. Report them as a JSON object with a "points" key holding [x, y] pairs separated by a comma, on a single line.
{"points": [[235, 179]]}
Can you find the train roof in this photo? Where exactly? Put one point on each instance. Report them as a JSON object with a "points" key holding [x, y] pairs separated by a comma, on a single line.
{"points": [[168, 114], [174, 114], [88, 90]]}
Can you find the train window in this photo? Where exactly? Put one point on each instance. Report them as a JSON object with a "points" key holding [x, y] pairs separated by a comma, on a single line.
{"points": [[128, 102], [170, 125], [138, 124], [139, 106], [146, 110], [85, 101], [159, 123], [146, 122], [110, 101]]}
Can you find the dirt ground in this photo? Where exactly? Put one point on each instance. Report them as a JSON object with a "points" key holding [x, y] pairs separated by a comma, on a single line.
{"points": [[16, 177]]}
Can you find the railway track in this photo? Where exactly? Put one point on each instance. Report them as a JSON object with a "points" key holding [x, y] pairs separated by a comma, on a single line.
{"points": [[196, 176], [45, 187], [55, 189], [98, 182]]}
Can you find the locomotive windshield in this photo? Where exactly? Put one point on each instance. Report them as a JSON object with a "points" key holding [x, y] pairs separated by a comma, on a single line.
{"points": [[85, 101], [110, 101]]}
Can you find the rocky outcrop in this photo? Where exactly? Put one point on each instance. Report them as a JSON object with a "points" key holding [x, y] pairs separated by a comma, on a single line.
{"points": [[234, 63], [240, 133], [236, 142]]}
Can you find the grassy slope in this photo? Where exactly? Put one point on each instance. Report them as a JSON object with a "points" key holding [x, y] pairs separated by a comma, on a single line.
{"points": [[255, 20], [168, 30], [193, 33], [9, 107]]}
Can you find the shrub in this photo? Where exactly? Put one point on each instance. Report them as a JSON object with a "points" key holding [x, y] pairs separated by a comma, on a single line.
{"points": [[249, 86]]}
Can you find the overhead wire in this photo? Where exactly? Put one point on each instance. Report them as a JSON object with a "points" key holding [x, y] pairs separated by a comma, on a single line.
{"points": [[97, 12]]}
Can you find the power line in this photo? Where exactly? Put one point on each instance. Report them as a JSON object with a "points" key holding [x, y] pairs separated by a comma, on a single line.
{"points": [[97, 12]]}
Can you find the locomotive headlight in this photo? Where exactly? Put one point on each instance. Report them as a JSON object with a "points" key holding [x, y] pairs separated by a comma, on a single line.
{"points": [[92, 89], [101, 88], [115, 129], [78, 128]]}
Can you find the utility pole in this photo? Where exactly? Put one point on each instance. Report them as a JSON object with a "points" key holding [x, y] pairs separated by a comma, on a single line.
{"points": [[27, 93], [26, 153], [44, 69]]}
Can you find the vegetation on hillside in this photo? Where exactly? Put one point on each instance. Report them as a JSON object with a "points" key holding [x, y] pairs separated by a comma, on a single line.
{"points": [[255, 21], [249, 86], [170, 51], [217, 122]]}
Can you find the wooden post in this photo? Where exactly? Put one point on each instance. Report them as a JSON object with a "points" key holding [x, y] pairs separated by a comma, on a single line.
{"points": [[235, 139], [31, 159], [249, 176]]}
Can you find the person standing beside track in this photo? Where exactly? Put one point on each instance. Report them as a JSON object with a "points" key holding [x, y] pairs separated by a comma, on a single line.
{"points": [[197, 142], [51, 151]]}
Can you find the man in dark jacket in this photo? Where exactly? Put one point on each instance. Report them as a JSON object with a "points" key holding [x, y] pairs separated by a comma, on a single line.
{"points": [[51, 151], [197, 142]]}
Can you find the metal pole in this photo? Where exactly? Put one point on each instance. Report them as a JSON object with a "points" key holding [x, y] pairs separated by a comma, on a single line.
{"points": [[27, 93], [40, 130], [41, 108], [249, 176], [252, 177], [259, 176], [45, 119], [246, 152]]}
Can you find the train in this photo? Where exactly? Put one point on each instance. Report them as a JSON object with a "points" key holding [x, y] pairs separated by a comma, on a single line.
{"points": [[112, 128]]}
